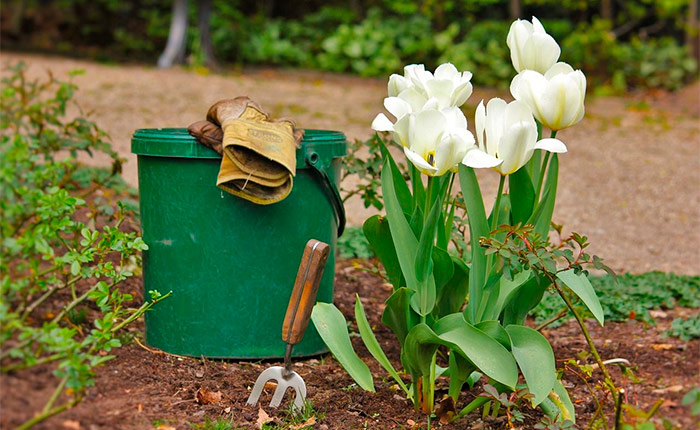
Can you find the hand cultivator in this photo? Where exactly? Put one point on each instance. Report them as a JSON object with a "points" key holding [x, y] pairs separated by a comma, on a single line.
{"points": [[295, 322]]}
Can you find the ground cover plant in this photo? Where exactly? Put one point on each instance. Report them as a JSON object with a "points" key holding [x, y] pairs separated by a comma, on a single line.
{"points": [[465, 318], [65, 252]]}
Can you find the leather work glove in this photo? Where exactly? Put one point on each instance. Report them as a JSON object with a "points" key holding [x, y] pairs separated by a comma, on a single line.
{"points": [[259, 155]]}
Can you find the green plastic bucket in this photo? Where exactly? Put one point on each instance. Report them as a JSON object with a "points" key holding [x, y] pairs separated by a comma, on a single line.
{"points": [[230, 264]]}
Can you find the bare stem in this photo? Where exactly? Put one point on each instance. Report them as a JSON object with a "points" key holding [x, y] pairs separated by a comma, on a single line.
{"points": [[608, 380]]}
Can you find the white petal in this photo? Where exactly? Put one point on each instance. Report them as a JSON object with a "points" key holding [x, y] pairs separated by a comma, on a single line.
{"points": [[551, 145], [449, 152], [415, 98], [518, 111], [382, 123], [461, 93], [402, 129], [397, 106], [541, 52], [427, 131], [537, 26], [480, 160], [442, 90], [480, 122], [397, 83], [495, 124], [447, 71], [516, 146], [455, 118], [560, 68], [419, 162]]}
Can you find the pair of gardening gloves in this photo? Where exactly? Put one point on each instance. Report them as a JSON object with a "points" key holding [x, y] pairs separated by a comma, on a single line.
{"points": [[259, 154]]}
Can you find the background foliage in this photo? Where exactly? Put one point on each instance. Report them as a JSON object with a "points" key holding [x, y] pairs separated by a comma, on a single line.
{"points": [[642, 43]]}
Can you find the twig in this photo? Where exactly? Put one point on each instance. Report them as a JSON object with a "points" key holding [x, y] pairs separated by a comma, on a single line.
{"points": [[562, 313]]}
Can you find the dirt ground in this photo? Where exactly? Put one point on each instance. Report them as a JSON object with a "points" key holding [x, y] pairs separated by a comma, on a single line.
{"points": [[629, 182], [142, 389]]}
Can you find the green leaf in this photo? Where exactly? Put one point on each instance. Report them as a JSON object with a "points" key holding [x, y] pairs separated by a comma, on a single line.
{"points": [[371, 343], [508, 288], [460, 369], [561, 398], [376, 230], [452, 293], [332, 328], [485, 352], [417, 184], [424, 257], [550, 185], [522, 300], [406, 246], [418, 350], [400, 187], [496, 331], [522, 195], [581, 286], [478, 227], [398, 315], [536, 360]]}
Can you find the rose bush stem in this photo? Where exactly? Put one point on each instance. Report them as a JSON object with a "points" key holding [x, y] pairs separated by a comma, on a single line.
{"points": [[608, 380]]}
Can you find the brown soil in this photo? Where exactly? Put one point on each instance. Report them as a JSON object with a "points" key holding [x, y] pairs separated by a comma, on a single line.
{"points": [[141, 387], [629, 182]]}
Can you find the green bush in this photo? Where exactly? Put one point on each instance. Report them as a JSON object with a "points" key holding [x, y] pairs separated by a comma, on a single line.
{"points": [[64, 251]]}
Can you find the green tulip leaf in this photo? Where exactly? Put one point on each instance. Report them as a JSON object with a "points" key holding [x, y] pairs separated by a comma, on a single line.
{"points": [[371, 343], [418, 350], [478, 227], [333, 329], [376, 230], [424, 257], [561, 398], [496, 331], [460, 370], [581, 286], [522, 300], [522, 195], [536, 360], [401, 190], [485, 352], [398, 315], [550, 185]]}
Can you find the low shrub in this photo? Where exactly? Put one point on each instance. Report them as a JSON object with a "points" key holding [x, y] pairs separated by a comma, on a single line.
{"points": [[66, 252]]}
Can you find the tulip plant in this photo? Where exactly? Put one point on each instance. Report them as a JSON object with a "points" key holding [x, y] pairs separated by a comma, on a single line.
{"points": [[464, 319]]}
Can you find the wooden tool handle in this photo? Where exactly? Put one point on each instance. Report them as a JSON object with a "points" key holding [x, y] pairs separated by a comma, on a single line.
{"points": [[305, 288]]}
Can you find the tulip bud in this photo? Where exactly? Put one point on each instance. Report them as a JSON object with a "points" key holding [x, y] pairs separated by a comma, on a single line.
{"points": [[531, 48], [555, 98], [507, 137]]}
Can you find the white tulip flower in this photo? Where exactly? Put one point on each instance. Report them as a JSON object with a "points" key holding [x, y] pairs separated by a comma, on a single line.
{"points": [[507, 137], [435, 141], [447, 86], [531, 48], [555, 98]]}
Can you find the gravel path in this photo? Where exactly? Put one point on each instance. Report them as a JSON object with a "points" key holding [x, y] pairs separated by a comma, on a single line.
{"points": [[630, 182]]}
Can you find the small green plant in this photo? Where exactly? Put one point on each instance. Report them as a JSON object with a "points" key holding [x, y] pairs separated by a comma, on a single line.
{"points": [[353, 244], [685, 329], [630, 296], [692, 399], [219, 424], [63, 253]]}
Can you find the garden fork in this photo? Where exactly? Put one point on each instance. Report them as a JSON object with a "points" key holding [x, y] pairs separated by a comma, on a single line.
{"points": [[295, 322]]}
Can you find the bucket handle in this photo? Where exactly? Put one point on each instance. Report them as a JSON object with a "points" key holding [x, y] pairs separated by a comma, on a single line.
{"points": [[329, 188]]}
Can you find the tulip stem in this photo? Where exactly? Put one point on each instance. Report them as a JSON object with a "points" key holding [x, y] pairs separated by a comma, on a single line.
{"points": [[543, 169], [497, 206]]}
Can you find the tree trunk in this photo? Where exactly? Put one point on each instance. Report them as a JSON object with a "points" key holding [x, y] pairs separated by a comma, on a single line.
{"points": [[203, 15], [692, 30], [514, 9], [177, 38], [17, 17], [606, 11]]}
